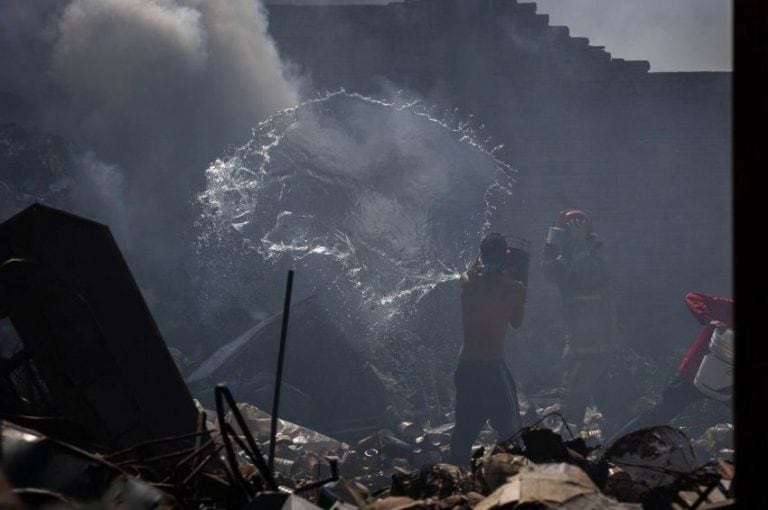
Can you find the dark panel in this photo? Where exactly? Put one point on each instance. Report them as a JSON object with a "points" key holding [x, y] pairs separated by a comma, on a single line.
{"points": [[87, 333]]}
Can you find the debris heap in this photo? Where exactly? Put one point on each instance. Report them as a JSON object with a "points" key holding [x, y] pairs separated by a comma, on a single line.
{"points": [[95, 414]]}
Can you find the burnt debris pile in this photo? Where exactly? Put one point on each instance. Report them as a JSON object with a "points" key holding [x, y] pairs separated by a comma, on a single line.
{"points": [[95, 412]]}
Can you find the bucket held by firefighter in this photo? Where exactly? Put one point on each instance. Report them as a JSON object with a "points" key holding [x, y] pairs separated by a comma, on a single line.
{"points": [[715, 375], [518, 257], [517, 266], [557, 236]]}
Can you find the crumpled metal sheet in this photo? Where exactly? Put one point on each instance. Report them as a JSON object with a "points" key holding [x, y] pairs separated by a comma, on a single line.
{"points": [[653, 457], [226, 352]]}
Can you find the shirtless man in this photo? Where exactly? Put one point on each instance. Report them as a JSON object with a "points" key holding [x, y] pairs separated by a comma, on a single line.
{"points": [[492, 299]]}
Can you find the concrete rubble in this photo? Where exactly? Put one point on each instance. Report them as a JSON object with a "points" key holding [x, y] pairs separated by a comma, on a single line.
{"points": [[650, 468], [129, 435]]}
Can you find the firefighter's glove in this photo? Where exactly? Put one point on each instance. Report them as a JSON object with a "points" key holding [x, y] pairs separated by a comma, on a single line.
{"points": [[577, 229]]}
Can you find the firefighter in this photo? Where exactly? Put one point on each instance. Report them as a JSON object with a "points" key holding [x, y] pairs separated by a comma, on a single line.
{"points": [[573, 260], [714, 313]]}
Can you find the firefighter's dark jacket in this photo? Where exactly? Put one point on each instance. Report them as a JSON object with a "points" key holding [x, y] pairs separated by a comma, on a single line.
{"points": [[585, 286]]}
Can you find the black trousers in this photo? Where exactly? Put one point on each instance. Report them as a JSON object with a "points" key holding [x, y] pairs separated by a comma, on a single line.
{"points": [[580, 384], [485, 391]]}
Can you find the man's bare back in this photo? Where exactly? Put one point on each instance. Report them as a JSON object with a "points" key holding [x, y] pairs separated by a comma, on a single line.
{"points": [[489, 304], [492, 299]]}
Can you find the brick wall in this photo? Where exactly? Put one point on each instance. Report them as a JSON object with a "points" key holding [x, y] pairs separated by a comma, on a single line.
{"points": [[648, 154]]}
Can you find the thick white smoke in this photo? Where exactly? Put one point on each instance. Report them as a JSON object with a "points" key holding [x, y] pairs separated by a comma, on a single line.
{"points": [[150, 92], [157, 87], [157, 69]]}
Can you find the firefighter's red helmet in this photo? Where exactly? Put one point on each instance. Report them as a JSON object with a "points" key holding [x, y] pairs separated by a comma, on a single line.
{"points": [[573, 214]]}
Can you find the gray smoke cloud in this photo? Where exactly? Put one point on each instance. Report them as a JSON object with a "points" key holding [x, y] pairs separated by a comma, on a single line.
{"points": [[154, 88]]}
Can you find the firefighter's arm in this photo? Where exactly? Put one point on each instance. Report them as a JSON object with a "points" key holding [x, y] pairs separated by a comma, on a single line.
{"points": [[562, 248], [698, 304], [577, 233], [588, 256], [706, 307], [553, 264]]}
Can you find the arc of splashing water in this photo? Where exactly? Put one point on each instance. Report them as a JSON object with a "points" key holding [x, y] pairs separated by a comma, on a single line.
{"points": [[263, 142]]}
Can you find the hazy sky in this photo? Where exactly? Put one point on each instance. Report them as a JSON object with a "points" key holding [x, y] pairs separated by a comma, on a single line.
{"points": [[674, 35]]}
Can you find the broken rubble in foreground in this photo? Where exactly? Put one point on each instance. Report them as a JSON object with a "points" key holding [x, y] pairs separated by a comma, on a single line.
{"points": [[96, 415]]}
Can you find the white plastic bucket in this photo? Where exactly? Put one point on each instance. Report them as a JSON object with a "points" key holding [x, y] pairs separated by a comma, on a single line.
{"points": [[715, 375]]}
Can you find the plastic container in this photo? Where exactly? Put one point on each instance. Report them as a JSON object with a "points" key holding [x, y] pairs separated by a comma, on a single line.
{"points": [[518, 256], [518, 259], [557, 236], [715, 375]]}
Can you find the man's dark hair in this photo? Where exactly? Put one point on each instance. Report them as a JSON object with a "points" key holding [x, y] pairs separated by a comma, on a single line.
{"points": [[493, 250]]}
